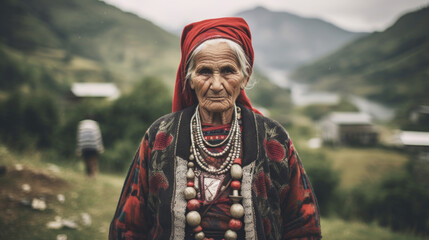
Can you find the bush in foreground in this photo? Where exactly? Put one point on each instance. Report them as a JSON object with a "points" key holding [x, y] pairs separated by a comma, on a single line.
{"points": [[398, 201]]}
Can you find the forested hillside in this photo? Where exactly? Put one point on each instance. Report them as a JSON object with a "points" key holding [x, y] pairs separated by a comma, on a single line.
{"points": [[389, 66], [80, 40]]}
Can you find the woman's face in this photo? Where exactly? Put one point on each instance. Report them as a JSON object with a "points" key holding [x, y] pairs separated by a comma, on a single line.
{"points": [[217, 78]]}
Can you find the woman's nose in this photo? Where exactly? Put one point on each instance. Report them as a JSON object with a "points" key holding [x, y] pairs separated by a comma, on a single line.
{"points": [[216, 82]]}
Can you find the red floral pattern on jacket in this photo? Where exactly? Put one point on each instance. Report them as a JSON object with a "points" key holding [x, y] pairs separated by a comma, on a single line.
{"points": [[162, 141], [275, 150]]}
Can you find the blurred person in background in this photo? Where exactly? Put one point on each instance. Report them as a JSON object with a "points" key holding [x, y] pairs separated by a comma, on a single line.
{"points": [[215, 168], [89, 145]]}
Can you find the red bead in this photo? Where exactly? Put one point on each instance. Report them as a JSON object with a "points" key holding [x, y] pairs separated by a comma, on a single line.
{"points": [[235, 224], [198, 229], [193, 205], [236, 185], [190, 184], [237, 161]]}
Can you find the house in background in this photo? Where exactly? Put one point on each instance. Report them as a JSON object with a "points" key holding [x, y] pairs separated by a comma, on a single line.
{"points": [[413, 141], [348, 128], [94, 90]]}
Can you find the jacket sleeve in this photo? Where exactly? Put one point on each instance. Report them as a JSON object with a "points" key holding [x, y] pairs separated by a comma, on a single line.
{"points": [[299, 205], [131, 218]]}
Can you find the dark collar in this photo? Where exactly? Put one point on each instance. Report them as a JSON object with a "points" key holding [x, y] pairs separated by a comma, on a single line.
{"points": [[250, 138]]}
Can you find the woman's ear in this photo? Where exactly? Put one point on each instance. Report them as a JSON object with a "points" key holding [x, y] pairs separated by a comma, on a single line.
{"points": [[244, 83], [191, 83]]}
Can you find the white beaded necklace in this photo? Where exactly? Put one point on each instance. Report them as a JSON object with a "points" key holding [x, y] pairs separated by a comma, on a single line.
{"points": [[232, 148], [200, 132]]}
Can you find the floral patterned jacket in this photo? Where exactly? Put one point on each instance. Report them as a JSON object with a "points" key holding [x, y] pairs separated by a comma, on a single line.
{"points": [[277, 196]]}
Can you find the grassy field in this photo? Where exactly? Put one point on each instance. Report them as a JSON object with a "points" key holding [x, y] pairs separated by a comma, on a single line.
{"points": [[337, 229], [364, 165], [97, 197]]}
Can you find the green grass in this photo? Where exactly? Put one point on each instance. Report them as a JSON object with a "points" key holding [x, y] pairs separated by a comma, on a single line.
{"points": [[98, 197], [337, 229], [364, 165]]}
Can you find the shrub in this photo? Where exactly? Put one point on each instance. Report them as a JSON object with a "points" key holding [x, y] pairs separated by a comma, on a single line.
{"points": [[129, 116], [398, 201], [324, 179], [119, 157], [28, 120], [126, 121]]}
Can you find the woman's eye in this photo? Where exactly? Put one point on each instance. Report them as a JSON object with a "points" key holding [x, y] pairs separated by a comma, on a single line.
{"points": [[228, 70], [204, 71]]}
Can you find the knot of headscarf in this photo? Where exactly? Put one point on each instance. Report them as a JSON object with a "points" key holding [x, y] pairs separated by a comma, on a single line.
{"points": [[232, 28]]}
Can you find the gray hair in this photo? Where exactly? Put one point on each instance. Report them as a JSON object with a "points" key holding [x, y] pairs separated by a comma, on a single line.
{"points": [[237, 49]]}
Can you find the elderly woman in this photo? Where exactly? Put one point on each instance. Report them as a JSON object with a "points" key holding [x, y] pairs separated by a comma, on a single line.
{"points": [[215, 168]]}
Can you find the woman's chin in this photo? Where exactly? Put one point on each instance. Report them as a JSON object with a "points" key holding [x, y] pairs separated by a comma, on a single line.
{"points": [[217, 107]]}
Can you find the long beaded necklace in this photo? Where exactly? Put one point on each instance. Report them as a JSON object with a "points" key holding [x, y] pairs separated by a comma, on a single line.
{"points": [[232, 163]]}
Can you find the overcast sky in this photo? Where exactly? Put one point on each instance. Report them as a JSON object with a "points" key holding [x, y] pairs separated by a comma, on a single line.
{"points": [[360, 15]]}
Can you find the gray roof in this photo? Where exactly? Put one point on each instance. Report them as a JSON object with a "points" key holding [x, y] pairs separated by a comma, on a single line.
{"points": [[350, 118], [107, 90], [412, 138]]}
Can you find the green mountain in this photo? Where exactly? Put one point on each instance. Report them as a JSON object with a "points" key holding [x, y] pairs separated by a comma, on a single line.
{"points": [[390, 66], [283, 40], [80, 40]]}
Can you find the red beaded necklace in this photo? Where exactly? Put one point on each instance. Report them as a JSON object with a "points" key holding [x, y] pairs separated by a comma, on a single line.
{"points": [[232, 163]]}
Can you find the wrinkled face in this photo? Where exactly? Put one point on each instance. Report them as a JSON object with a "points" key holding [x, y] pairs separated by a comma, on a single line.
{"points": [[217, 78]]}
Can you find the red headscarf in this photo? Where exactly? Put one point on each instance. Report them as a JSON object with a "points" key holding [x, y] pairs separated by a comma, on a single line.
{"points": [[232, 28]]}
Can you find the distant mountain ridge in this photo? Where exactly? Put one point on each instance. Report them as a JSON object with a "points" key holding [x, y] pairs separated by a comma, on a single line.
{"points": [[390, 66], [89, 40], [284, 41], [84, 40]]}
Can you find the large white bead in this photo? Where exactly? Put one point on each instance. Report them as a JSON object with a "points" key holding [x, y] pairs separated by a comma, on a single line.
{"points": [[190, 175], [193, 218], [200, 236], [230, 235], [191, 164], [236, 171], [237, 210], [190, 193]]}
